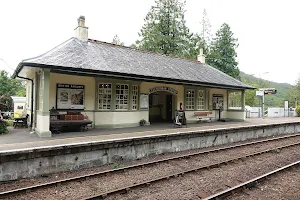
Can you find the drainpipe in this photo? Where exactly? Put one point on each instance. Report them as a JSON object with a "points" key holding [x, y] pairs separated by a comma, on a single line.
{"points": [[32, 84]]}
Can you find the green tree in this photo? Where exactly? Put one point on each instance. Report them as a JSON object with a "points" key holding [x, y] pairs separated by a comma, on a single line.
{"points": [[9, 87], [165, 30], [117, 41], [293, 95], [223, 54]]}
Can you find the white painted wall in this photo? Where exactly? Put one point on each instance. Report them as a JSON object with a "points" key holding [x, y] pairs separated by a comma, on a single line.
{"points": [[237, 115], [117, 119]]}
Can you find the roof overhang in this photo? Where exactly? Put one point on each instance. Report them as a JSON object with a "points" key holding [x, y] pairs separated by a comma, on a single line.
{"points": [[90, 72]]}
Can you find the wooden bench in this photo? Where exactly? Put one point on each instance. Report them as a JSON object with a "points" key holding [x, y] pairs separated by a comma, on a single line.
{"points": [[203, 116], [72, 121]]}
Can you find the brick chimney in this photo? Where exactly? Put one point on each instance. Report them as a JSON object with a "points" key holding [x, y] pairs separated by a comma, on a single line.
{"points": [[81, 31], [201, 56]]}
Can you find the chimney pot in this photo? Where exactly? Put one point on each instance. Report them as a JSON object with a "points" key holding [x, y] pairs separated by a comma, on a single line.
{"points": [[81, 31], [81, 21]]}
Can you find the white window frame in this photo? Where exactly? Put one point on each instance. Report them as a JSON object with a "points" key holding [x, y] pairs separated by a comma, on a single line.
{"points": [[103, 96], [201, 100], [120, 97], [134, 97], [235, 104], [189, 99]]}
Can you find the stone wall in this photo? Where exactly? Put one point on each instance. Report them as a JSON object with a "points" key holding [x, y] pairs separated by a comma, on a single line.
{"points": [[35, 162]]}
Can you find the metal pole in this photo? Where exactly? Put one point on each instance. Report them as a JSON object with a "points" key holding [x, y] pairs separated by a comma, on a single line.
{"points": [[263, 105]]}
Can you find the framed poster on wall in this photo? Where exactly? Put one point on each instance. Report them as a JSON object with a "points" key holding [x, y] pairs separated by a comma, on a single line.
{"points": [[144, 102], [218, 101], [70, 97]]}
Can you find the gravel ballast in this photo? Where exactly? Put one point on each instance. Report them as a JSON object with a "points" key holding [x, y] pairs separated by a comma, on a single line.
{"points": [[187, 187]]}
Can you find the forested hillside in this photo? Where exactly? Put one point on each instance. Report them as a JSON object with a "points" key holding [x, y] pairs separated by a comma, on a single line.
{"points": [[272, 100]]}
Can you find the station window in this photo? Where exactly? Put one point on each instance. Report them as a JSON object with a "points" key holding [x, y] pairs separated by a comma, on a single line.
{"points": [[201, 100], [235, 100], [122, 94], [105, 95], [190, 99], [135, 91]]}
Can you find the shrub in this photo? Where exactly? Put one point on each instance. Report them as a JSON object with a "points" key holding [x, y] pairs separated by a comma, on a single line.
{"points": [[9, 122], [298, 111], [3, 127]]}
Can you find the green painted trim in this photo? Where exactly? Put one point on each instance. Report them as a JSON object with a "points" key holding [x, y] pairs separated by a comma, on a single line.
{"points": [[130, 97], [243, 100], [46, 89]]}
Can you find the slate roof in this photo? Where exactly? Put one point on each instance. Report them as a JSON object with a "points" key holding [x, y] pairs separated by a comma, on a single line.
{"points": [[108, 58]]}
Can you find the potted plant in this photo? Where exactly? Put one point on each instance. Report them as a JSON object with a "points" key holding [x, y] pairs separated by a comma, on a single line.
{"points": [[142, 122]]}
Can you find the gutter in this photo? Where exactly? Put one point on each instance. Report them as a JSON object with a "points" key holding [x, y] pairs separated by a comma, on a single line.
{"points": [[32, 88]]}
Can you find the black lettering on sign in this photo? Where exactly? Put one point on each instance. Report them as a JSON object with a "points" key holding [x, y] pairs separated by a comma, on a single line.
{"points": [[59, 85], [163, 88]]}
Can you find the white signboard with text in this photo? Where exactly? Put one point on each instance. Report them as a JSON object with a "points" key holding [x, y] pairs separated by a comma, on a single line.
{"points": [[144, 101]]}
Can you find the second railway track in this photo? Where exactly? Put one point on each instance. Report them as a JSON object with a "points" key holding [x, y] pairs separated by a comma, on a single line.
{"points": [[104, 194]]}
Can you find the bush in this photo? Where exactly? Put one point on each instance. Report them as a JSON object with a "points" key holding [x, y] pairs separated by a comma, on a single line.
{"points": [[9, 122], [3, 127], [298, 111]]}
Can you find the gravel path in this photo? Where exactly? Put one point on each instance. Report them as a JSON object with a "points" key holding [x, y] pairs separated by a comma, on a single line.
{"points": [[183, 187]]}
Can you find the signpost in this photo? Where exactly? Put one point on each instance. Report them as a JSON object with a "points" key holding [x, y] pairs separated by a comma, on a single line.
{"points": [[262, 92]]}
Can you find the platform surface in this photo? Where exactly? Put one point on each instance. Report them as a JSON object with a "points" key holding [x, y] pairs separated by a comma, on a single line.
{"points": [[22, 139]]}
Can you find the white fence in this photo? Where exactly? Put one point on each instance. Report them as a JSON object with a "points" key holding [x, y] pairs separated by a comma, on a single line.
{"points": [[281, 112], [255, 112]]}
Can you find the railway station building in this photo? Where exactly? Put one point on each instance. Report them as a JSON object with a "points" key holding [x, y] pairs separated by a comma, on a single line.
{"points": [[117, 86]]}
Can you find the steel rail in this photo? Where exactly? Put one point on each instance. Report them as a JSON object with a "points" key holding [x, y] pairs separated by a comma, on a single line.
{"points": [[249, 183], [58, 182], [195, 169]]}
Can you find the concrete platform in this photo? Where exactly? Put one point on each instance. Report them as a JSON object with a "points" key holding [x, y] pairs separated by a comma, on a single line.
{"points": [[21, 139], [23, 155]]}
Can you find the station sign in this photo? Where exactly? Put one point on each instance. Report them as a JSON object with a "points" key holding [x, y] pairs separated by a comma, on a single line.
{"points": [[163, 89], [260, 93], [270, 91]]}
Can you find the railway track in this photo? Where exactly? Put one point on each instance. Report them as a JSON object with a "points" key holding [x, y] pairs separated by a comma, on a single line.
{"points": [[250, 183], [125, 189]]}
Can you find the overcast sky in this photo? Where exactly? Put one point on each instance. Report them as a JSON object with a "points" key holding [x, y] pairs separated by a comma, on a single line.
{"points": [[268, 30]]}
